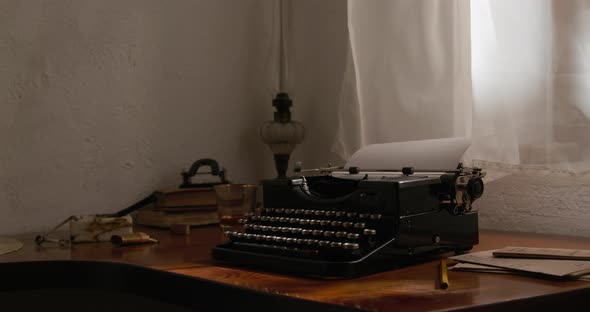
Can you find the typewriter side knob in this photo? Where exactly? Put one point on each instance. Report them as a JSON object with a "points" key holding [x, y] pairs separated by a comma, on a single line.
{"points": [[464, 187]]}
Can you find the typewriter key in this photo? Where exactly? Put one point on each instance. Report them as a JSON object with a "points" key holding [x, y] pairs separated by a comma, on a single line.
{"points": [[336, 223], [314, 222], [316, 232], [275, 229], [289, 210], [318, 213], [264, 218], [247, 226], [350, 246], [279, 210], [268, 210], [279, 239], [324, 243], [312, 242], [256, 227], [303, 221], [308, 212], [364, 215], [375, 216], [306, 232], [266, 227], [347, 224], [324, 222], [329, 213], [369, 232], [296, 230], [340, 234], [329, 233], [335, 244], [285, 230], [242, 221], [293, 220], [359, 225], [301, 241], [340, 214], [299, 211], [352, 236], [249, 236], [273, 219], [255, 218], [283, 219], [351, 214]]}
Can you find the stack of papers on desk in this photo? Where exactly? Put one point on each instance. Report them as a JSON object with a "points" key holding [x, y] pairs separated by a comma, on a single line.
{"points": [[550, 262]]}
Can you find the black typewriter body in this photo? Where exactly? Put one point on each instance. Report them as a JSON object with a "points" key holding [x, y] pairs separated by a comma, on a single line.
{"points": [[334, 227]]}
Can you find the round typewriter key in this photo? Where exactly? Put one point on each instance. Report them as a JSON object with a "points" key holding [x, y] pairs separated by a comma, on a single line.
{"points": [[255, 218], [273, 219], [312, 241], [328, 233], [242, 221], [279, 239], [308, 212], [351, 215], [376, 216], [324, 243], [266, 227], [316, 232], [264, 218], [303, 221], [275, 229], [247, 226], [347, 224], [269, 238], [335, 244], [290, 240], [268, 210], [283, 219], [359, 225], [301, 241], [240, 235], [318, 213], [230, 234], [336, 223], [293, 220], [256, 227], [329, 213], [259, 237], [296, 230], [364, 215], [279, 210], [340, 214], [249, 236], [299, 211], [314, 222], [350, 246], [340, 234], [289, 210], [324, 222], [369, 232], [285, 230], [352, 236], [306, 232]]}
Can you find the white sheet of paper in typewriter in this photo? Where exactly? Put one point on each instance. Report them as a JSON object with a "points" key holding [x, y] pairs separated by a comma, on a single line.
{"points": [[436, 155]]}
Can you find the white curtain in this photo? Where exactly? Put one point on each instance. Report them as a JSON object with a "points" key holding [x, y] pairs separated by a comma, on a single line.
{"points": [[512, 75]]}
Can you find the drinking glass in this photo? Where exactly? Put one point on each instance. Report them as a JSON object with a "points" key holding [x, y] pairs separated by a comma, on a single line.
{"points": [[233, 202]]}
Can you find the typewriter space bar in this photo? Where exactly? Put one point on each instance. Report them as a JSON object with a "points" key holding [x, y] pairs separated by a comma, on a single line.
{"points": [[276, 250]]}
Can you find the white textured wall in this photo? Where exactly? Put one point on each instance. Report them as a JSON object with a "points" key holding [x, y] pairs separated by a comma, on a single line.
{"points": [[536, 201], [101, 102]]}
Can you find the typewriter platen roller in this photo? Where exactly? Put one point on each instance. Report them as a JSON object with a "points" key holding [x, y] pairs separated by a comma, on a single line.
{"points": [[354, 222]]}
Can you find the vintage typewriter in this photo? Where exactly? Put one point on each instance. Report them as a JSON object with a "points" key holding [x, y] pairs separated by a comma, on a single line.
{"points": [[349, 221]]}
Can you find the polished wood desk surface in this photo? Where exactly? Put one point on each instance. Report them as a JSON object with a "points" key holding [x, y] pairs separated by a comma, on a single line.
{"points": [[408, 289]]}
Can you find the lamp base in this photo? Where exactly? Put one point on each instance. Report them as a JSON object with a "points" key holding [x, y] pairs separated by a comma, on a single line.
{"points": [[281, 164]]}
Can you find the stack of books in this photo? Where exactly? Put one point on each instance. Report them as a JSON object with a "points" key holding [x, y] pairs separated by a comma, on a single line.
{"points": [[556, 263], [183, 206]]}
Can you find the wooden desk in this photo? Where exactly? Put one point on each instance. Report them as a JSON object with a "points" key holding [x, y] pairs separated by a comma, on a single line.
{"points": [[408, 289]]}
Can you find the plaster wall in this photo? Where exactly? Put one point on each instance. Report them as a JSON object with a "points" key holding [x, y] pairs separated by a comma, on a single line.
{"points": [[102, 102]]}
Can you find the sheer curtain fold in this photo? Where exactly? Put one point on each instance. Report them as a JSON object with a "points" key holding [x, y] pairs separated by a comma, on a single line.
{"points": [[513, 75]]}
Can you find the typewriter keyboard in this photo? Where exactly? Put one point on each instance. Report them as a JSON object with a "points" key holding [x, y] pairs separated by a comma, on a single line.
{"points": [[309, 233]]}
